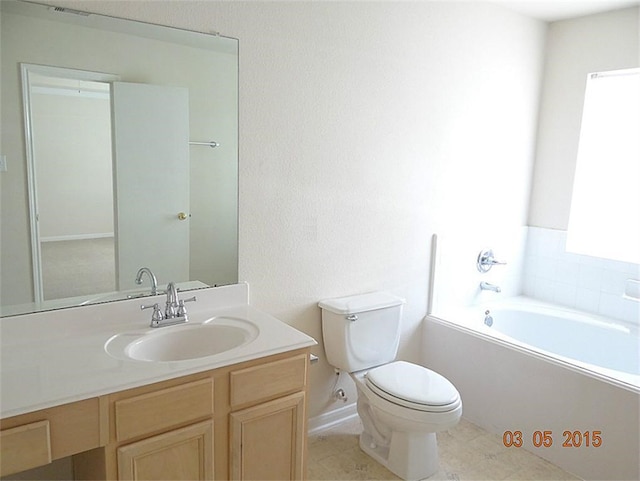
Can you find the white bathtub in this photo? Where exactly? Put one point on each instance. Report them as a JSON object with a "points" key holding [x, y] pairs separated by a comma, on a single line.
{"points": [[542, 368], [598, 346]]}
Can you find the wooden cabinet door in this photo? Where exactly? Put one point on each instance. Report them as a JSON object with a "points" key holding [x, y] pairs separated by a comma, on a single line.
{"points": [[182, 454], [267, 440]]}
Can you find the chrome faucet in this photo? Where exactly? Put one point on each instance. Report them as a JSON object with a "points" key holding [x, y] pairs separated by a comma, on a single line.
{"points": [[485, 286], [152, 278], [175, 311], [171, 307]]}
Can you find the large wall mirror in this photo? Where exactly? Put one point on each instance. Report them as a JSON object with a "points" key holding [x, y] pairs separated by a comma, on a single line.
{"points": [[119, 151]]}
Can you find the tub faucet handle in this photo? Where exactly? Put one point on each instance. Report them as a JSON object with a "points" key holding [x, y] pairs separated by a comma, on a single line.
{"points": [[486, 261]]}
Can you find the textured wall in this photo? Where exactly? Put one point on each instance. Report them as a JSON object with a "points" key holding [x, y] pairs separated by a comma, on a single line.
{"points": [[365, 128]]}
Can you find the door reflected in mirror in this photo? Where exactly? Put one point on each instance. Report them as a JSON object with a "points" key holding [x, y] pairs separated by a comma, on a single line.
{"points": [[97, 188]]}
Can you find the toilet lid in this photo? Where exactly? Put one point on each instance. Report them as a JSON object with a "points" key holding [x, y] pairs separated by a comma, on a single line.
{"points": [[413, 386]]}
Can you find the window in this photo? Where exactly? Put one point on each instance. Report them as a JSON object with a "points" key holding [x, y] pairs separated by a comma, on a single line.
{"points": [[605, 207]]}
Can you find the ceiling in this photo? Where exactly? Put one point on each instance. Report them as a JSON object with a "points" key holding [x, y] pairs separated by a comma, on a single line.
{"points": [[551, 11]]}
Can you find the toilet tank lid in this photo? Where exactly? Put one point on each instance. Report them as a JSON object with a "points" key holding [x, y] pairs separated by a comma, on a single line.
{"points": [[361, 303]]}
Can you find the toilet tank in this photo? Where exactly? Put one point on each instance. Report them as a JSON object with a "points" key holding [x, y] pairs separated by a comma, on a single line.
{"points": [[361, 331]]}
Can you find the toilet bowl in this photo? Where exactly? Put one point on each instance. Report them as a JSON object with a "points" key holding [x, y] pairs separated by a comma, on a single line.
{"points": [[401, 405], [400, 424]]}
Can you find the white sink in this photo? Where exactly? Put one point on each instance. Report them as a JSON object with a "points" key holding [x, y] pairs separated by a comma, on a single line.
{"points": [[183, 342]]}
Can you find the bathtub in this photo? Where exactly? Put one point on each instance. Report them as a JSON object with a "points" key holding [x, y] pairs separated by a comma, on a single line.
{"points": [[552, 374]]}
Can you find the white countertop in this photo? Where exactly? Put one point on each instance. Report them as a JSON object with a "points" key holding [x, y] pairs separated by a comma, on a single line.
{"points": [[57, 357]]}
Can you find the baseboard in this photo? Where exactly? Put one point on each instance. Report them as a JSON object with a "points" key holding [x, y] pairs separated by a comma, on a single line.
{"points": [[329, 419]]}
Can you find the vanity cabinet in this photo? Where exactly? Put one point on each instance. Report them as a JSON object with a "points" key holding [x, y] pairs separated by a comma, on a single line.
{"points": [[244, 421], [239, 414]]}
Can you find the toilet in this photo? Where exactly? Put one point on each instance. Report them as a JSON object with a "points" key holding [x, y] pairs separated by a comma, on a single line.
{"points": [[401, 405]]}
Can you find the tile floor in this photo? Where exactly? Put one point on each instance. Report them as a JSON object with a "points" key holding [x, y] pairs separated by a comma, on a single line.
{"points": [[466, 452]]}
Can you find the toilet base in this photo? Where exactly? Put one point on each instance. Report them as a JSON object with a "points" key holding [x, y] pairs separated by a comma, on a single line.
{"points": [[410, 455]]}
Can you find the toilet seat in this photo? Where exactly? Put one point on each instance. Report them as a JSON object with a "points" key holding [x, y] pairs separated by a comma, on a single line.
{"points": [[414, 387]]}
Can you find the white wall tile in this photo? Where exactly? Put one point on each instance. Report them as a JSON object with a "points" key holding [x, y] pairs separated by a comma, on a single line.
{"points": [[564, 294], [587, 283], [613, 281], [544, 290], [538, 267], [567, 272], [589, 277], [547, 268], [587, 299]]}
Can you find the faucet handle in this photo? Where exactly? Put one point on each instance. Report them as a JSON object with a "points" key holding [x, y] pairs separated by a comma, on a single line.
{"points": [[157, 312], [182, 311], [486, 261]]}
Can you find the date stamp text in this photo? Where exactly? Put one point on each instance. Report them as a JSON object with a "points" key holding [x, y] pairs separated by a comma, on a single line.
{"points": [[545, 439]]}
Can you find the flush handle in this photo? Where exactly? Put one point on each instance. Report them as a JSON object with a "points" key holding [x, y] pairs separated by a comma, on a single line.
{"points": [[352, 317]]}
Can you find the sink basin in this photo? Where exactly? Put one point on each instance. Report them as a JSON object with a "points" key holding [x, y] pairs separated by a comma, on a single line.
{"points": [[183, 342]]}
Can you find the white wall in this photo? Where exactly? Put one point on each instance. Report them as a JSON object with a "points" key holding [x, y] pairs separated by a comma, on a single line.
{"points": [[365, 128], [72, 149], [607, 41]]}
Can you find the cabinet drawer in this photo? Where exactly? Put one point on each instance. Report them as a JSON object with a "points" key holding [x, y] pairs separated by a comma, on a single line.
{"points": [[266, 381], [25, 447], [72, 428], [163, 409]]}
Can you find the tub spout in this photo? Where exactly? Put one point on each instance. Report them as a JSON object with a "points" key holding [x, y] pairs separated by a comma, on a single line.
{"points": [[485, 286]]}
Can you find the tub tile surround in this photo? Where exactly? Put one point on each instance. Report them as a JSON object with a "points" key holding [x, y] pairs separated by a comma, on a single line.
{"points": [[538, 266], [456, 280], [581, 282]]}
